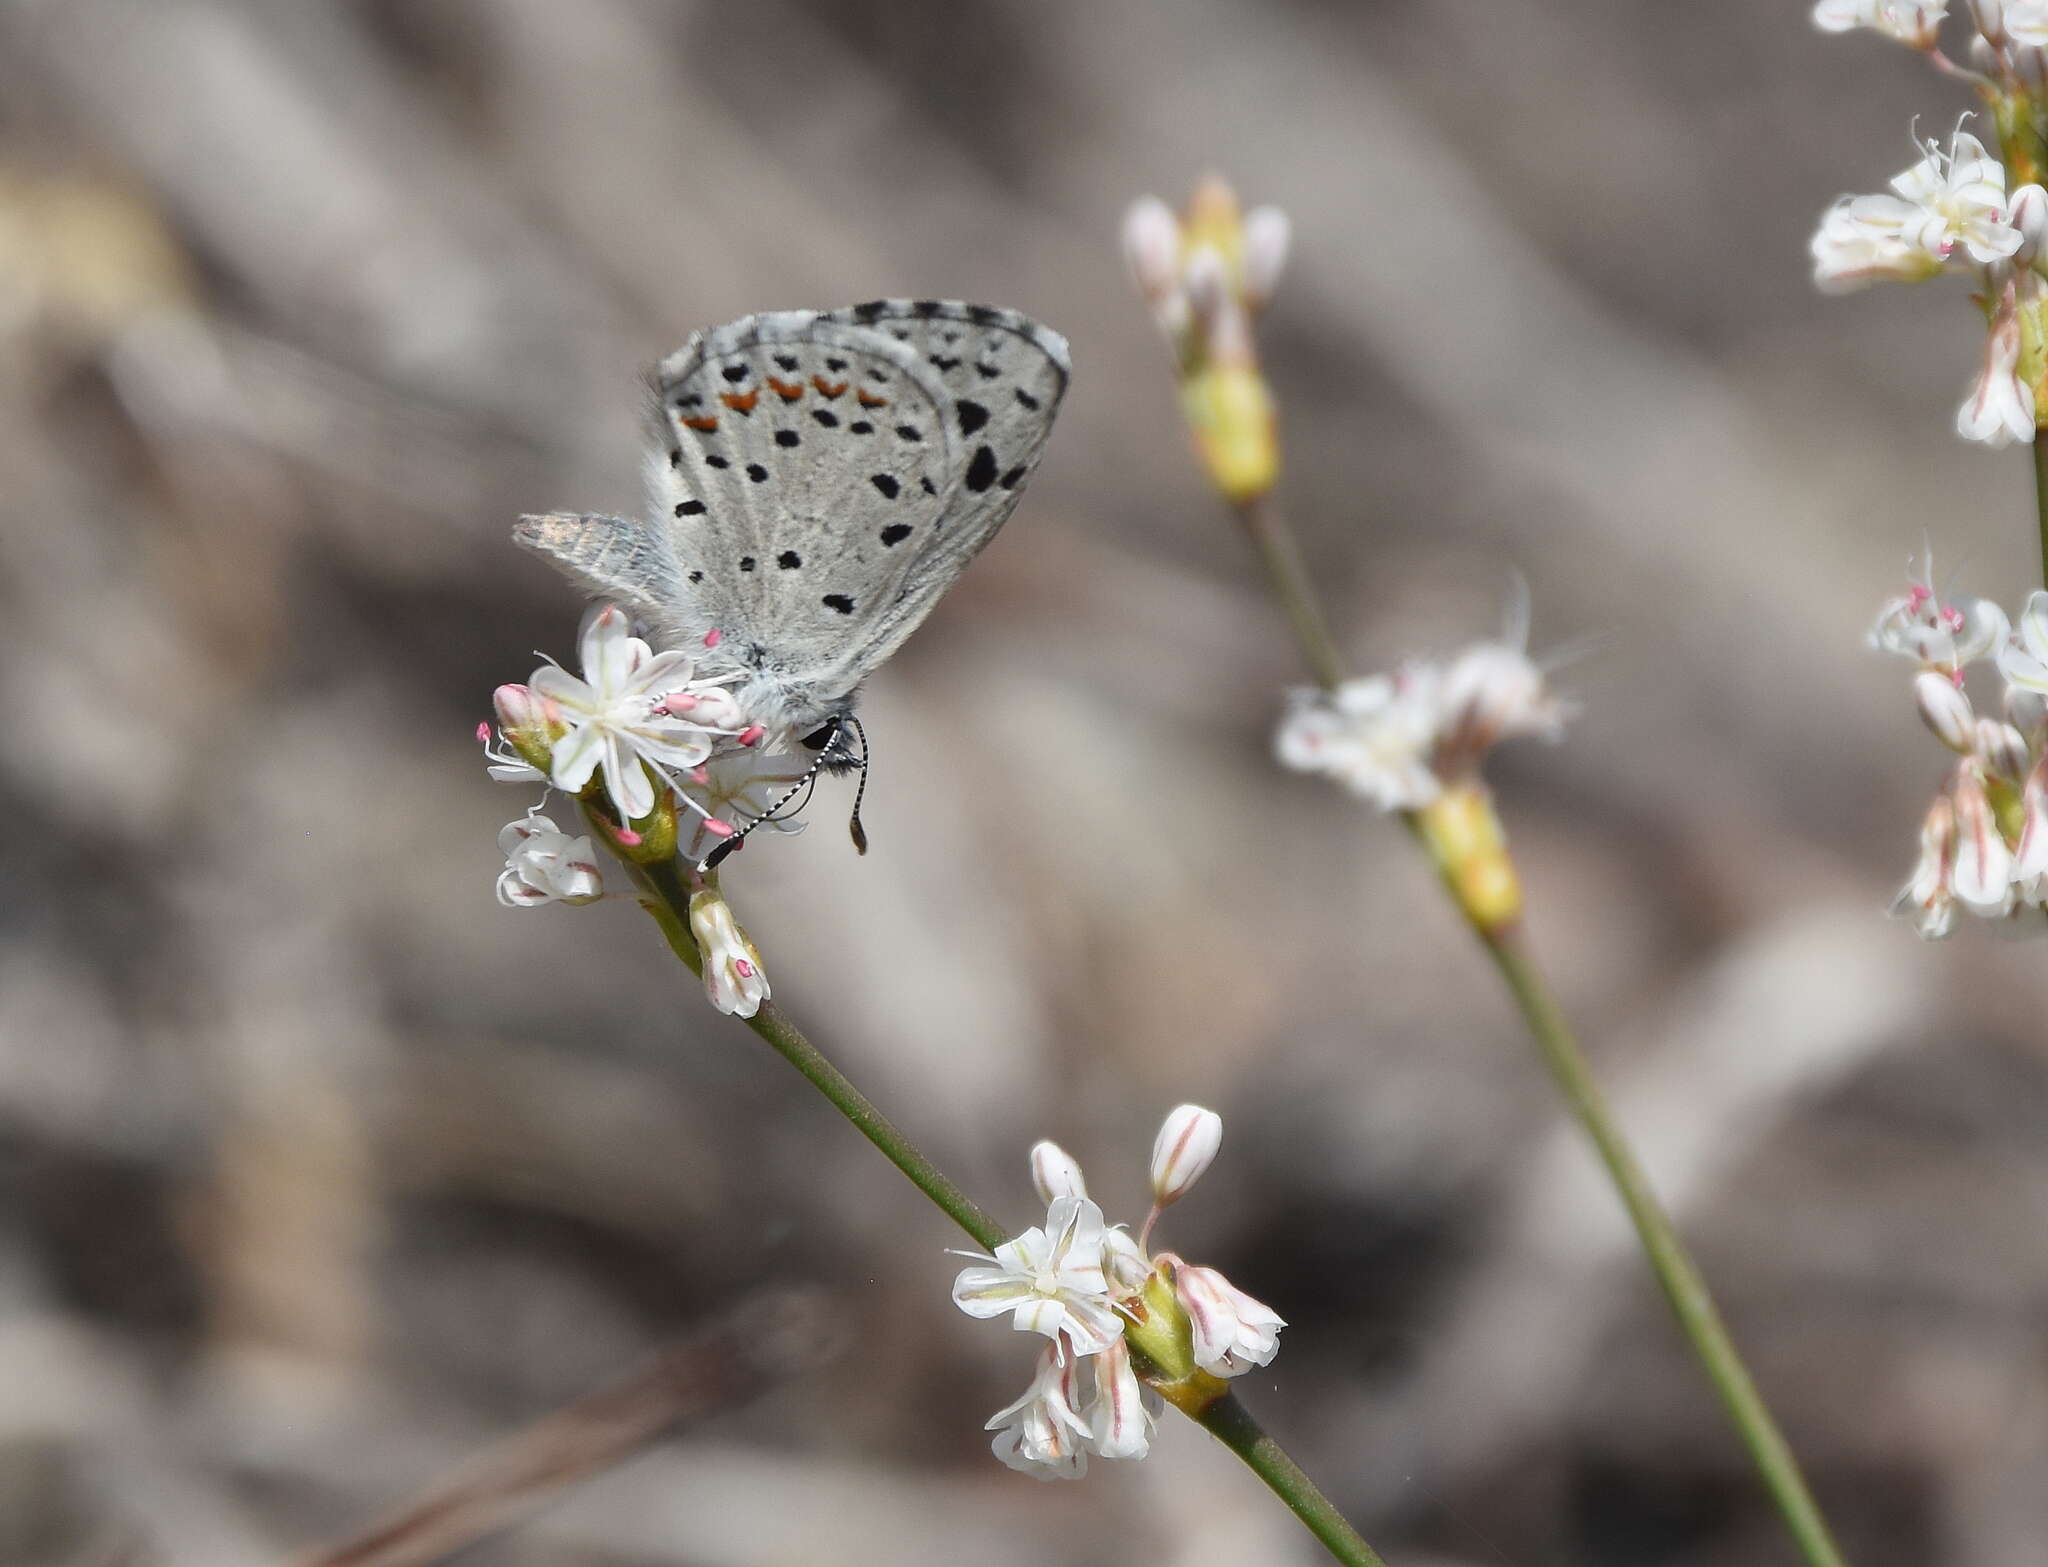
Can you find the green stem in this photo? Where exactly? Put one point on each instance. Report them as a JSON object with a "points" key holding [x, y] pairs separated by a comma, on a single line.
{"points": [[2041, 497], [1676, 1273], [1231, 1424], [668, 900], [1287, 576], [1680, 1278]]}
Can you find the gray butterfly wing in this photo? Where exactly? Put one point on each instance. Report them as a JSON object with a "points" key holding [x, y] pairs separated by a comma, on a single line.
{"points": [[808, 462], [1004, 376]]}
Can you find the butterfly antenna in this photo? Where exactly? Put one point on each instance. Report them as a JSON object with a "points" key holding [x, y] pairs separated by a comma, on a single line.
{"points": [[853, 826]]}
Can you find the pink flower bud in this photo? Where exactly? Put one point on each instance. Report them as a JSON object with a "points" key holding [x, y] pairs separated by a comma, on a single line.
{"points": [[1054, 1173], [1185, 1147], [517, 707]]}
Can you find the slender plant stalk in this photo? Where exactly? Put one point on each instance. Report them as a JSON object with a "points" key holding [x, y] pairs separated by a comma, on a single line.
{"points": [[2041, 498], [1676, 1273], [669, 904], [1287, 576], [1231, 1424], [667, 898]]}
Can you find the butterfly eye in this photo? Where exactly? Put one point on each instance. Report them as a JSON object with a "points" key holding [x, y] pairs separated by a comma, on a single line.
{"points": [[820, 737]]}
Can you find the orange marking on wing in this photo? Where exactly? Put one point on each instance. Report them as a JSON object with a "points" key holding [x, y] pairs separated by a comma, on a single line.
{"points": [[742, 401], [828, 388], [870, 400], [788, 391], [703, 422]]}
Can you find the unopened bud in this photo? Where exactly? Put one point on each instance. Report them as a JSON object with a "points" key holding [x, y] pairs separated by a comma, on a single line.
{"points": [[1945, 709], [733, 977], [2029, 214], [1055, 1173], [1185, 1147], [527, 721], [1152, 246], [1267, 234], [2002, 749]]}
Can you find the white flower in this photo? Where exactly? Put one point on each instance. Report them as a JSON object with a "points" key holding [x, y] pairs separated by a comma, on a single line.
{"points": [[1233, 1332], [1050, 1279], [2023, 657], [1492, 692], [2026, 22], [1911, 22], [1926, 893], [2030, 860], [733, 976], [1861, 240], [1937, 635], [1960, 195], [544, 865], [1374, 735], [616, 718], [504, 764], [737, 789], [1980, 873], [2000, 406], [1185, 1147], [1121, 1415], [1044, 1434]]}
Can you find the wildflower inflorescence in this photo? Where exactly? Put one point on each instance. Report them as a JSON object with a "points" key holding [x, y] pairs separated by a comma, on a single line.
{"points": [[666, 766], [1984, 840], [1961, 208], [1115, 1315], [1403, 740]]}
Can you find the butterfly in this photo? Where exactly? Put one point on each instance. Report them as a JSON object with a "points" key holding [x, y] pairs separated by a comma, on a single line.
{"points": [[822, 478]]}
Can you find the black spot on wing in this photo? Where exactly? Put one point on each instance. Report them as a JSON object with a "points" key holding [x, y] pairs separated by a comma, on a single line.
{"points": [[689, 508], [715, 461], [909, 432], [746, 563], [972, 415], [787, 438], [835, 364], [1027, 399], [838, 601], [735, 373], [789, 560], [866, 312], [826, 417], [983, 315], [675, 457], [785, 362], [987, 371], [925, 307], [981, 473], [757, 473], [696, 576], [1013, 478], [945, 361], [886, 483], [896, 533], [861, 427]]}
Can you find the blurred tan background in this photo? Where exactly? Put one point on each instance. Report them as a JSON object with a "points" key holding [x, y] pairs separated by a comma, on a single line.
{"points": [[318, 1169]]}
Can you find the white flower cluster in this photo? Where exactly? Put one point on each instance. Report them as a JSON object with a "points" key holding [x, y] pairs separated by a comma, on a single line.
{"points": [[1984, 843], [1951, 213], [1401, 739], [642, 727], [1077, 1280]]}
